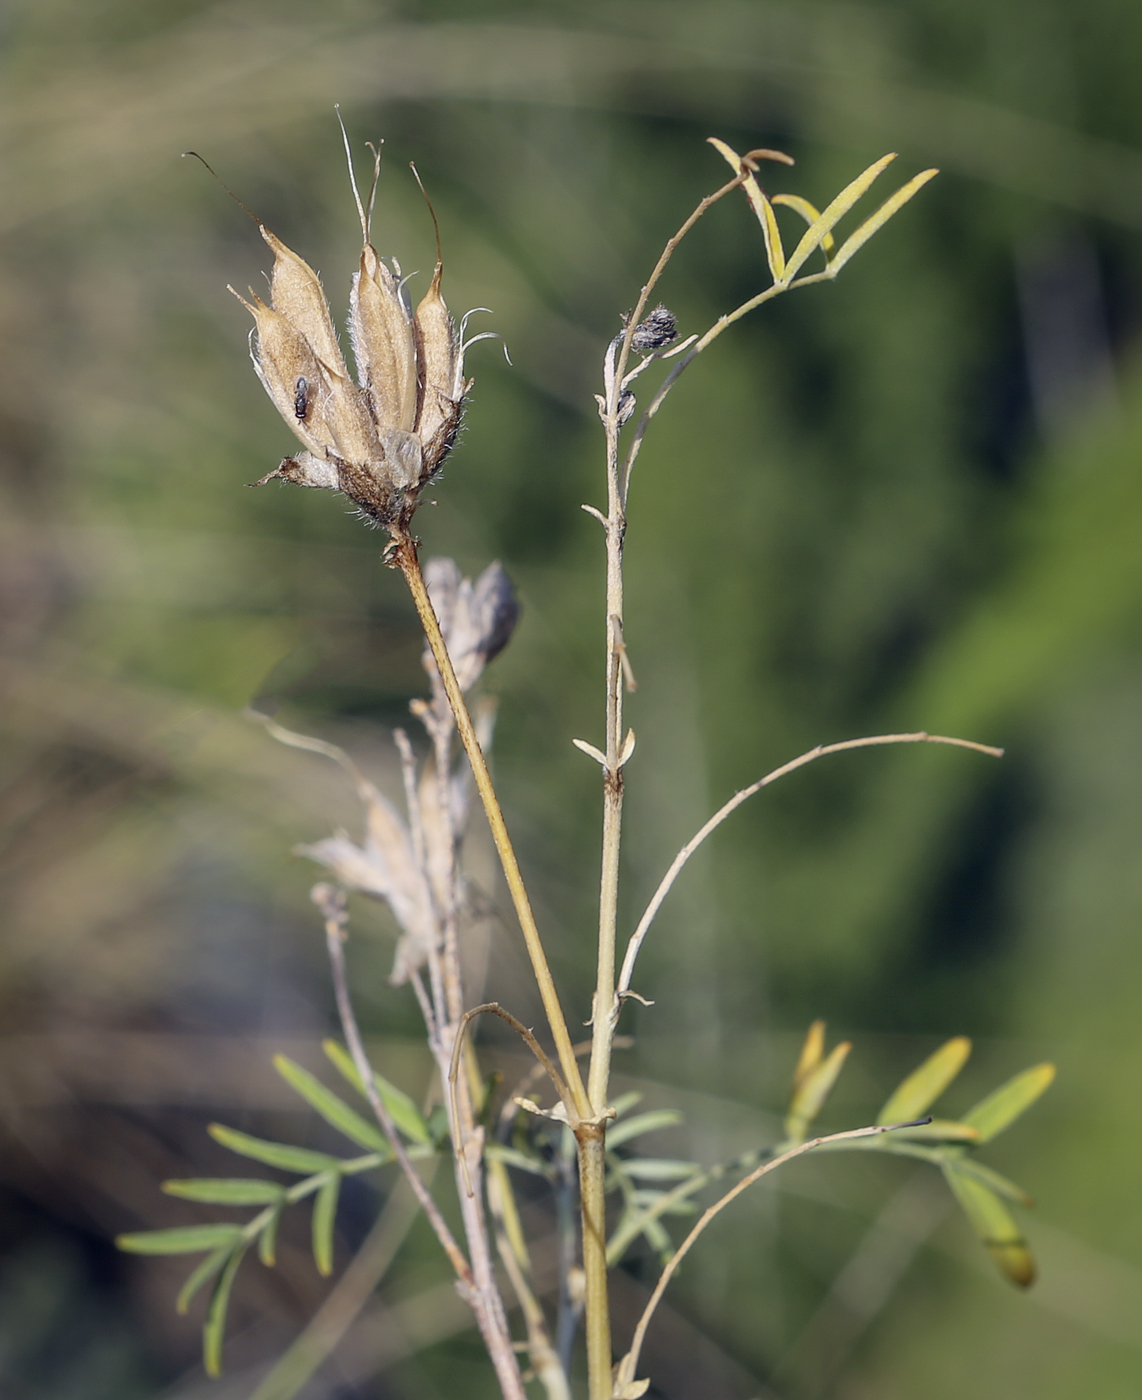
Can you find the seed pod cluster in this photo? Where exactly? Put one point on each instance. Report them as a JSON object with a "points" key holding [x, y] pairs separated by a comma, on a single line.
{"points": [[382, 437]]}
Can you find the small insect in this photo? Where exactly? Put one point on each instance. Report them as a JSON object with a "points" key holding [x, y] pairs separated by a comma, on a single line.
{"points": [[301, 398]]}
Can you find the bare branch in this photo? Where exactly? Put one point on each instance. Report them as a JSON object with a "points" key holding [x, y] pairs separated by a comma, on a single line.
{"points": [[738, 798]]}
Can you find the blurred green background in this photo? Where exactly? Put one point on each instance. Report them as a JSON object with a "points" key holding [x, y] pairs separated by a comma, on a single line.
{"points": [[910, 500]]}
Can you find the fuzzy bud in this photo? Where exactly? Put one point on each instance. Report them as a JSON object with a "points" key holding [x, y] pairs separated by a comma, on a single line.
{"points": [[477, 619], [655, 332]]}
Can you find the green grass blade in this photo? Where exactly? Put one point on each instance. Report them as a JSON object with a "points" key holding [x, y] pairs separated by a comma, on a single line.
{"points": [[814, 235], [299, 1160], [991, 1115], [203, 1274], [402, 1110], [857, 240], [324, 1215], [995, 1226], [642, 1123], [215, 1326], [335, 1111], [809, 1098], [225, 1191], [187, 1239], [924, 1085]]}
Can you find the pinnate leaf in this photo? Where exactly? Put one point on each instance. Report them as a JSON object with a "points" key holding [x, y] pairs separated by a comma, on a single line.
{"points": [[857, 240], [203, 1274], [814, 235], [925, 1085]]}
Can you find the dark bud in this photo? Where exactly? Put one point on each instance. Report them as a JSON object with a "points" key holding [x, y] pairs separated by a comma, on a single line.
{"points": [[626, 406], [658, 330]]}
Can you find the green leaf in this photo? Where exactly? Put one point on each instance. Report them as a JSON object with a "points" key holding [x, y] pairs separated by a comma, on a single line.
{"points": [[324, 1215], [810, 1096], [268, 1239], [991, 1115], [335, 1111], [994, 1224], [857, 240], [925, 1085], [226, 1191], [205, 1271], [437, 1124], [642, 1123], [187, 1239], [658, 1168], [299, 1160], [647, 1200], [402, 1110], [814, 235], [215, 1327]]}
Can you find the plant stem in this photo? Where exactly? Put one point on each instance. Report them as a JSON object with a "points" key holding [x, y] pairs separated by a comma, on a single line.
{"points": [[597, 1318], [405, 558]]}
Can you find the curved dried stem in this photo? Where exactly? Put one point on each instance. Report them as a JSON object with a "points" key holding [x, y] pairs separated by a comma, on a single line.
{"points": [[495, 1009], [872, 741], [629, 1363]]}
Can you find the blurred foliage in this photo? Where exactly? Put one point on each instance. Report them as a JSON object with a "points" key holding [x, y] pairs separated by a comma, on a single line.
{"points": [[910, 500]]}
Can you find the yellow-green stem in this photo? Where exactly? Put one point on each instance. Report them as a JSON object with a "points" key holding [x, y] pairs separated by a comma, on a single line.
{"points": [[405, 557]]}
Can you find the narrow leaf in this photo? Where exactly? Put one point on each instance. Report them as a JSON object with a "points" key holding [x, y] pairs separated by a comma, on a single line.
{"points": [[224, 1191], [811, 1055], [324, 1214], [512, 1157], [991, 1115], [335, 1111], [402, 1110], [857, 240], [189, 1239], [658, 1169], [268, 1239], [774, 252], [213, 1331], [625, 1102], [925, 1085], [810, 1097], [814, 235], [995, 1225], [807, 211], [203, 1274], [299, 1160], [647, 1200], [938, 1130], [642, 1123]]}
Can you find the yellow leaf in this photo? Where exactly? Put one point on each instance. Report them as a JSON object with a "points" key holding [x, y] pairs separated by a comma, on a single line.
{"points": [[811, 1053], [774, 251], [991, 1115], [857, 240], [814, 235], [925, 1085], [810, 213], [811, 1095], [996, 1227]]}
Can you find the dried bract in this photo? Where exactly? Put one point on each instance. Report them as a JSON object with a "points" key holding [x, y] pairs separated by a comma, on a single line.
{"points": [[477, 619], [382, 437], [658, 330]]}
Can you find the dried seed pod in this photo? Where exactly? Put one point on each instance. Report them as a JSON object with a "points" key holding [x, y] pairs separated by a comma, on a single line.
{"points": [[655, 331], [381, 438]]}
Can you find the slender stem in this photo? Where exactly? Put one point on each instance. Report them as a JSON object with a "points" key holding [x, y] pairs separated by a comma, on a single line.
{"points": [[738, 798], [334, 937], [593, 1207], [405, 557], [629, 1363]]}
